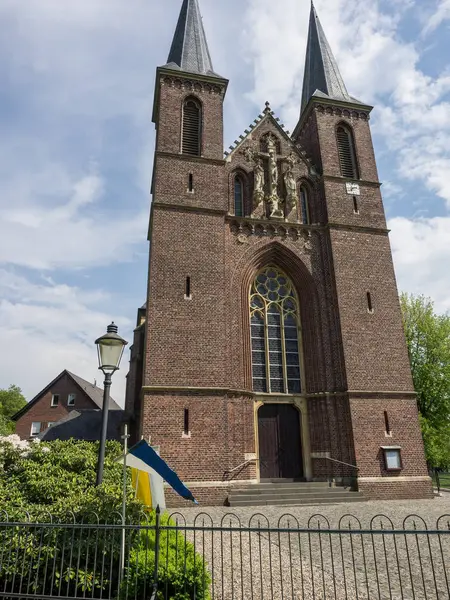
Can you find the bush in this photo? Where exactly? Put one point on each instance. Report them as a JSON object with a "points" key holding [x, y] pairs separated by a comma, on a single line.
{"points": [[54, 481], [182, 574]]}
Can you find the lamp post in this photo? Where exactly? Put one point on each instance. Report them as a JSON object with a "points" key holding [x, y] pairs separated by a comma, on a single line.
{"points": [[110, 348]]}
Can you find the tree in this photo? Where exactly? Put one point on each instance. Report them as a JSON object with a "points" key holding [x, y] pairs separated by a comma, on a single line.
{"points": [[11, 401], [428, 340]]}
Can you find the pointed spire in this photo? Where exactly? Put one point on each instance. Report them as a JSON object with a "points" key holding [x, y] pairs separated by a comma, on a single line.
{"points": [[189, 51], [321, 71]]}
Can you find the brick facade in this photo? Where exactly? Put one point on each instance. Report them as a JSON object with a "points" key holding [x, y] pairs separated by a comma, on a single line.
{"points": [[197, 350]]}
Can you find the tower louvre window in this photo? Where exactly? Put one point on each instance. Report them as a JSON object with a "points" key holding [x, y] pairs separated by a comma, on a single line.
{"points": [[275, 333], [238, 197], [192, 125], [304, 204], [346, 151]]}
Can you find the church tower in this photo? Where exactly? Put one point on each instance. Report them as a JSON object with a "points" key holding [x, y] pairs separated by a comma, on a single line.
{"points": [[273, 347]]}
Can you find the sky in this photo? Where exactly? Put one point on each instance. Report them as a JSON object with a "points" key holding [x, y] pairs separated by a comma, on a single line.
{"points": [[76, 149]]}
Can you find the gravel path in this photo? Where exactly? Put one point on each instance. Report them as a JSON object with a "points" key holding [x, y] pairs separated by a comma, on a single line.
{"points": [[316, 564]]}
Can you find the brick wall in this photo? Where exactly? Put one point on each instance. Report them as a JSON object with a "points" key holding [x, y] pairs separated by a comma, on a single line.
{"points": [[43, 412], [197, 352], [370, 435], [221, 432]]}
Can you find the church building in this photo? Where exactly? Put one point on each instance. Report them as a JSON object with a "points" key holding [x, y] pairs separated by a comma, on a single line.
{"points": [[271, 348]]}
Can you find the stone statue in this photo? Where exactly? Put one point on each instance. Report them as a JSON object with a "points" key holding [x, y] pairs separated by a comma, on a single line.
{"points": [[273, 166], [274, 207], [291, 189], [259, 176], [258, 190]]}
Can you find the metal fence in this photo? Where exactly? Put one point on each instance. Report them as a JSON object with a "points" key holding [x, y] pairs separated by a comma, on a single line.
{"points": [[164, 558]]}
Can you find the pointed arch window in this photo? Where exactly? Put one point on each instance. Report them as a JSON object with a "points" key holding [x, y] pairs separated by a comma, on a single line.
{"points": [[346, 151], [238, 196], [275, 333], [304, 204], [192, 127]]}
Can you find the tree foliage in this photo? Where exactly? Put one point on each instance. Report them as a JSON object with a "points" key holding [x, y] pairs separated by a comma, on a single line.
{"points": [[11, 401], [428, 340]]}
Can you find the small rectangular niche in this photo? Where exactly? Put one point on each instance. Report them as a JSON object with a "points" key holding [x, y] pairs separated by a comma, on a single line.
{"points": [[187, 289], [186, 432], [190, 184], [355, 205], [370, 308], [387, 425]]}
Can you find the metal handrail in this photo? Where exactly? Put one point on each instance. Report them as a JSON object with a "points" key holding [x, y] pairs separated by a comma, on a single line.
{"points": [[341, 462], [241, 466]]}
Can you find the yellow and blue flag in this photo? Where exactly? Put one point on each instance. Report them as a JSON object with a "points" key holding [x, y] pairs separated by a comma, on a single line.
{"points": [[152, 468]]}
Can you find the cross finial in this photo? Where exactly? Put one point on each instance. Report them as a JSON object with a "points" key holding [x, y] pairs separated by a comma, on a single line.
{"points": [[267, 109]]}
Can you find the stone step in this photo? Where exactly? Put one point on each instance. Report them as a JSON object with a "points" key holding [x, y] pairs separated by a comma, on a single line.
{"points": [[299, 501], [274, 486], [288, 490], [293, 496]]}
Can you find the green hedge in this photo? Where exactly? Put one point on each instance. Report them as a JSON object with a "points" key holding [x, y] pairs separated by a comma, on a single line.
{"points": [[55, 481]]}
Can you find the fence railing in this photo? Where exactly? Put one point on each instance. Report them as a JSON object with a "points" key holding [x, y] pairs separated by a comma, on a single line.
{"points": [[170, 558]]}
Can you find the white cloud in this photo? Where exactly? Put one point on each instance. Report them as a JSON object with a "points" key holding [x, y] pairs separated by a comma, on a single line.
{"points": [[441, 14], [48, 231], [421, 252], [47, 327]]}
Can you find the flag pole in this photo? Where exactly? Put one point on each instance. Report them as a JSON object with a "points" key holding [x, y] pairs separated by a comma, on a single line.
{"points": [[124, 500]]}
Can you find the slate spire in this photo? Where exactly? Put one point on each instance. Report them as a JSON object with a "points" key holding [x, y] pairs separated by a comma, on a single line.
{"points": [[322, 76], [189, 51]]}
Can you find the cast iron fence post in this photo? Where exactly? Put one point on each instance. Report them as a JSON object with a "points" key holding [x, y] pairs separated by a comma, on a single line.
{"points": [[157, 538]]}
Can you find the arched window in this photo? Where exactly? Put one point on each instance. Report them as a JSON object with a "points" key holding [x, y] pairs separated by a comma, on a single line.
{"points": [[275, 333], [304, 204], [238, 196], [192, 127], [346, 150]]}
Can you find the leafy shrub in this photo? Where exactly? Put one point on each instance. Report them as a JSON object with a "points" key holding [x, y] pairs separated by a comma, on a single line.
{"points": [[182, 574], [55, 481]]}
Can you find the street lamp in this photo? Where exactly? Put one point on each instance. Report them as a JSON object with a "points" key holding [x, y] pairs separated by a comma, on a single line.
{"points": [[110, 348]]}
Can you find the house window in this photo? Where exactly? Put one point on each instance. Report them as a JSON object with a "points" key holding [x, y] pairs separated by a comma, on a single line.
{"points": [[238, 197], [71, 400], [50, 424], [35, 428], [192, 125], [392, 458], [346, 151], [55, 400], [304, 204], [275, 333]]}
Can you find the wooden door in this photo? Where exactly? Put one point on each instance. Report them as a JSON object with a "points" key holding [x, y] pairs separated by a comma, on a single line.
{"points": [[268, 442], [290, 450], [280, 455]]}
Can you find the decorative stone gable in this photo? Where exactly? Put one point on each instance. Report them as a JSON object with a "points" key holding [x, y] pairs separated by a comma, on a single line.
{"points": [[271, 168]]}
